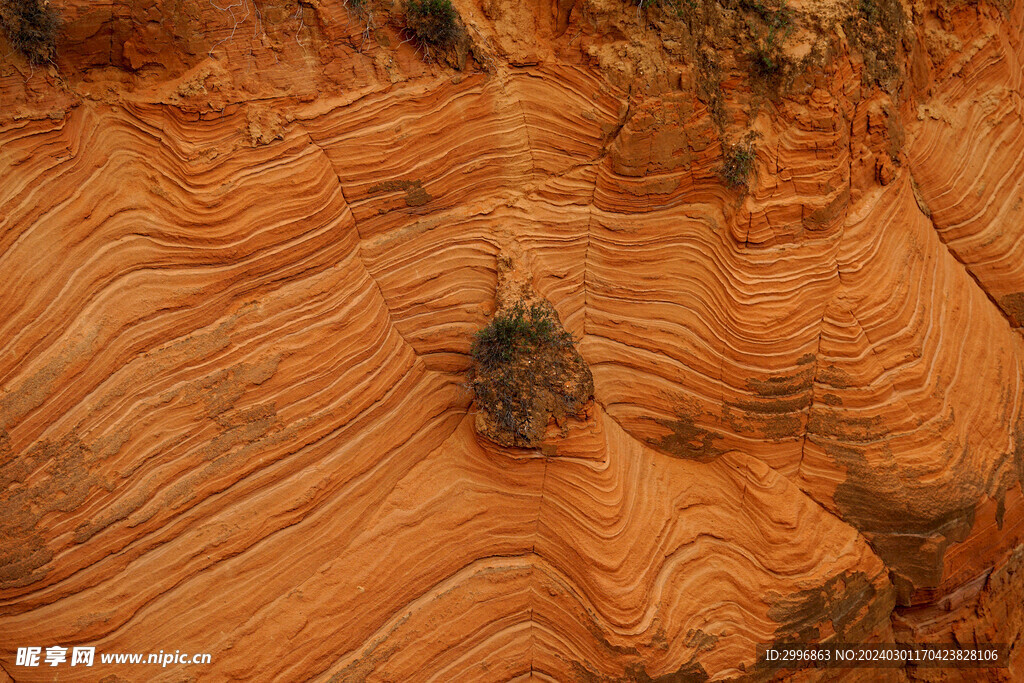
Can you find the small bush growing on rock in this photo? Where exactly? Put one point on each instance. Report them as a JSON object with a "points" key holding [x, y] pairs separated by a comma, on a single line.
{"points": [[770, 29], [778, 20], [869, 10], [518, 332], [527, 370], [738, 162], [876, 29], [433, 22], [765, 61], [31, 26]]}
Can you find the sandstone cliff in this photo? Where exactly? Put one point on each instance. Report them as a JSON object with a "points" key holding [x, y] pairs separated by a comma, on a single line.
{"points": [[244, 250]]}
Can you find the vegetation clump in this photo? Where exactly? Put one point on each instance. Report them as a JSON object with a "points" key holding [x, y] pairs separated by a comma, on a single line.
{"points": [[770, 27], [517, 332], [31, 26], [739, 162], [527, 369], [433, 22], [877, 29], [361, 8]]}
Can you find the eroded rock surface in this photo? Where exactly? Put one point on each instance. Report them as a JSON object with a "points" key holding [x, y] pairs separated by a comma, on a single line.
{"points": [[244, 251]]}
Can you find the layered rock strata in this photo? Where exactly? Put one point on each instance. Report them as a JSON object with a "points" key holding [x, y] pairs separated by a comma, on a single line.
{"points": [[245, 250]]}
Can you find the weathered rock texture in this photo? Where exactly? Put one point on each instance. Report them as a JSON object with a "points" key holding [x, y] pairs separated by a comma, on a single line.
{"points": [[244, 250]]}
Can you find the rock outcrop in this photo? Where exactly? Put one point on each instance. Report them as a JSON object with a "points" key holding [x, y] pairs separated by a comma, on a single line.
{"points": [[527, 372], [245, 251]]}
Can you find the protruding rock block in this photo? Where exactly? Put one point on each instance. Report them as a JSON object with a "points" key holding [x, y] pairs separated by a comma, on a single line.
{"points": [[527, 371]]}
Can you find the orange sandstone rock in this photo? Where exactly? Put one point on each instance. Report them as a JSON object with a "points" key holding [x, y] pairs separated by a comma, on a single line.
{"points": [[244, 250]]}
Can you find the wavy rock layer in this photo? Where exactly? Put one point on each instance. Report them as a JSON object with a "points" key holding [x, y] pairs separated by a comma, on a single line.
{"points": [[244, 267]]}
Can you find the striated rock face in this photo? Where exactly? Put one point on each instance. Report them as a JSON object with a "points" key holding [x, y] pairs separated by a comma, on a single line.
{"points": [[244, 251]]}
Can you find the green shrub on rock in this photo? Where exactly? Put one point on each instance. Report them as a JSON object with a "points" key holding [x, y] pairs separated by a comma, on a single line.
{"points": [[433, 22], [738, 163], [31, 27], [527, 370]]}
